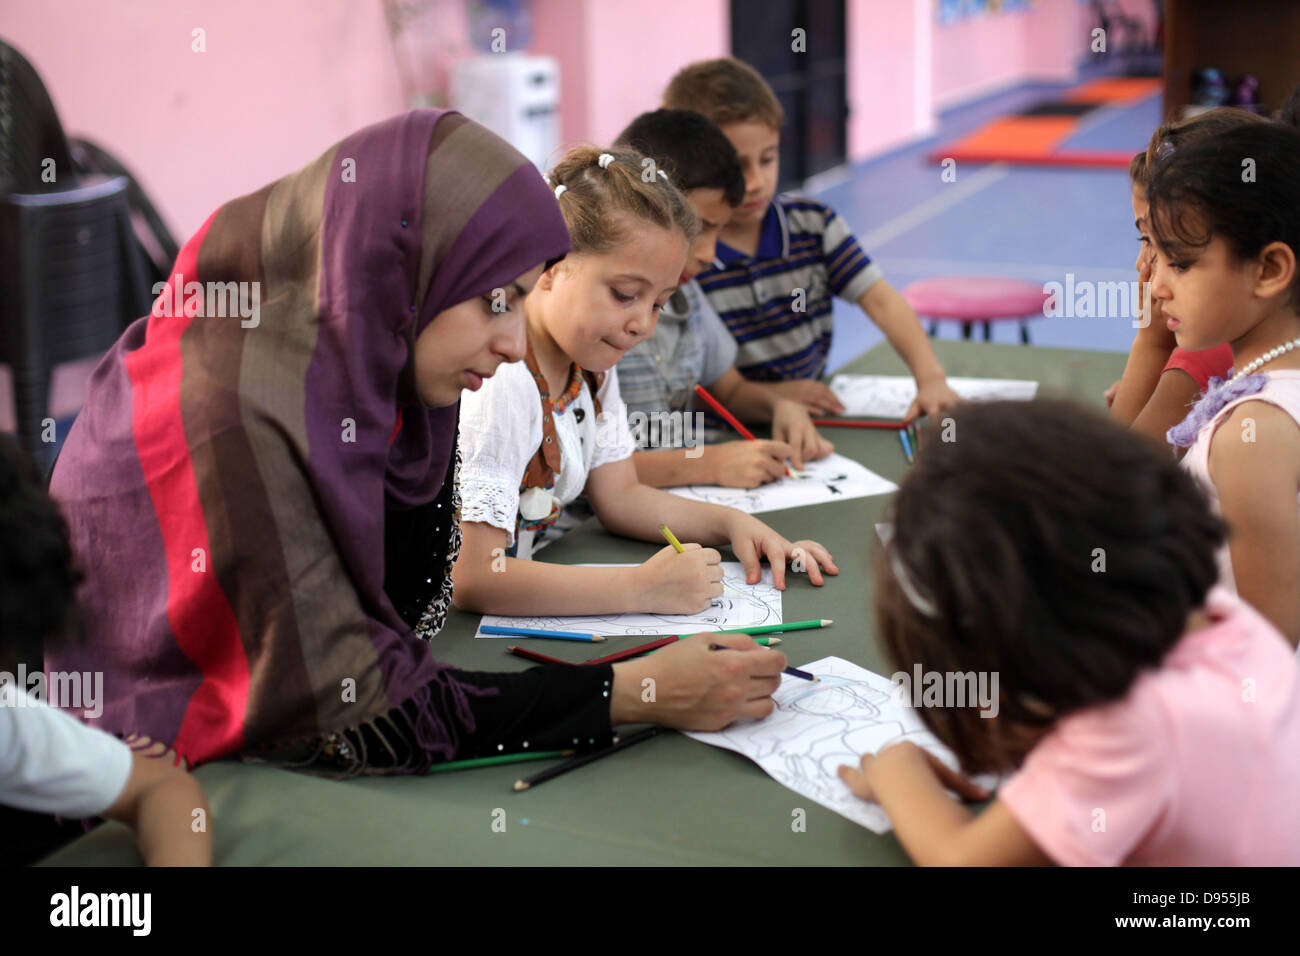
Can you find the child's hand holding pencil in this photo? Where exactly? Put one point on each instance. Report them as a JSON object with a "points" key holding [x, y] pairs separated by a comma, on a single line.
{"points": [[684, 582]]}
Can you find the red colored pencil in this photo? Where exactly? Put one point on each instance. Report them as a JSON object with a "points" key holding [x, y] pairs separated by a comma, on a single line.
{"points": [[850, 423], [634, 651], [533, 655], [732, 420]]}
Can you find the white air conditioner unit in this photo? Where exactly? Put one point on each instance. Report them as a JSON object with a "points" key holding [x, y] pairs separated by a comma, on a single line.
{"points": [[515, 95]]}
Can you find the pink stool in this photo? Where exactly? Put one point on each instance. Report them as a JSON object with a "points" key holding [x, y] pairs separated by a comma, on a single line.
{"points": [[971, 299]]}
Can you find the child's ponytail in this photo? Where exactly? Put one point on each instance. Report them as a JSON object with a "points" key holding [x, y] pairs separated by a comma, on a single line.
{"points": [[593, 185]]}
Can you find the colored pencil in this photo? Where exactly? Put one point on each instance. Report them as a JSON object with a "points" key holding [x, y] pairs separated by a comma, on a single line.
{"points": [[528, 655], [520, 757], [851, 423], [583, 759], [732, 420], [661, 642], [907, 446], [634, 651], [671, 538], [535, 632], [792, 671], [775, 628]]}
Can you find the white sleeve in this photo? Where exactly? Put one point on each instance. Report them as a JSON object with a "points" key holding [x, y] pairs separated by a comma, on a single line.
{"points": [[500, 431], [613, 436], [52, 763]]}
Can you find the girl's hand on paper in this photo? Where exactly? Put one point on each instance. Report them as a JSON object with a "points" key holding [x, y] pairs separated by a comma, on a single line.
{"points": [[685, 583], [792, 424], [690, 687], [748, 464], [901, 760], [751, 540]]}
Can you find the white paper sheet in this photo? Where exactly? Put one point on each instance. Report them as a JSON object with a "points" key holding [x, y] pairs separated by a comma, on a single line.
{"points": [[816, 727], [833, 478], [890, 396], [741, 605]]}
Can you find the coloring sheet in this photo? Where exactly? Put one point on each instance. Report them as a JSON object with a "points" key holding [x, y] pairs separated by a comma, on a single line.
{"points": [[816, 727], [833, 478], [741, 605], [889, 396]]}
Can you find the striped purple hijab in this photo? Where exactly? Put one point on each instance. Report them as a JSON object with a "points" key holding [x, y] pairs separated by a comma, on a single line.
{"points": [[225, 484]]}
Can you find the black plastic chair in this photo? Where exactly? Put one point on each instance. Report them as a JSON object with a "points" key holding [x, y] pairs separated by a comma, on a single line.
{"points": [[72, 276]]}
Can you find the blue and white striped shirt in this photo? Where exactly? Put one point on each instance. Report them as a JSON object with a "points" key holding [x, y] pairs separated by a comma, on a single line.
{"points": [[777, 303]]}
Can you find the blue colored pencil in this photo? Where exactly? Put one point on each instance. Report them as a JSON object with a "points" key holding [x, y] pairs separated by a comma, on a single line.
{"points": [[535, 632], [907, 445]]}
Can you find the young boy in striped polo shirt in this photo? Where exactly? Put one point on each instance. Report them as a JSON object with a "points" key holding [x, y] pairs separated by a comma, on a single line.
{"points": [[690, 345], [781, 257]]}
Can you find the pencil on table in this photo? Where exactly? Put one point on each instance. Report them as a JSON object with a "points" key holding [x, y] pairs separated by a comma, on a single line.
{"points": [[503, 631], [492, 761], [528, 655], [584, 759], [907, 446], [661, 642], [854, 423]]}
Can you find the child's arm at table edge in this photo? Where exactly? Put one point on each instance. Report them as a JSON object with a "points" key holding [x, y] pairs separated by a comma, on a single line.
{"points": [[1256, 482], [935, 829], [158, 803]]}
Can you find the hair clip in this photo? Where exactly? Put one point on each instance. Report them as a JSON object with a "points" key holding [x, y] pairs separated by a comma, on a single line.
{"points": [[1164, 149], [605, 159], [909, 590], [664, 175], [560, 190]]}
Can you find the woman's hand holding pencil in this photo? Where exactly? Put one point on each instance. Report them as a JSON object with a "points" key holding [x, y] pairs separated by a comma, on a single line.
{"points": [[689, 686]]}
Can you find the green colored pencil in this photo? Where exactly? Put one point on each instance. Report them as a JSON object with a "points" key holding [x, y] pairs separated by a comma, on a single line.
{"points": [[772, 628], [498, 759]]}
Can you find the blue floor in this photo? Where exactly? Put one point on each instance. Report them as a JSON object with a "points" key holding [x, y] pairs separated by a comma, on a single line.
{"points": [[1032, 223]]}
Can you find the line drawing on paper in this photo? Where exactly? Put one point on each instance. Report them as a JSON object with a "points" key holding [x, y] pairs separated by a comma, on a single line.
{"points": [[740, 605], [817, 727]]}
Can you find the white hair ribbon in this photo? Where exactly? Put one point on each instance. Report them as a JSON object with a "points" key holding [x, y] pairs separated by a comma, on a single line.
{"points": [[605, 159]]}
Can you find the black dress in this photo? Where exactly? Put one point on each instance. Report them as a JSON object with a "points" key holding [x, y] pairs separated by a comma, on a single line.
{"points": [[551, 707]]}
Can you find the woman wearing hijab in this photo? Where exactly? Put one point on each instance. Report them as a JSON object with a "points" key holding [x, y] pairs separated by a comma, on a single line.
{"points": [[264, 506]]}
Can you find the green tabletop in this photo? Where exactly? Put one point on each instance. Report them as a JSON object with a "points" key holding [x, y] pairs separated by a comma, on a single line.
{"points": [[667, 801]]}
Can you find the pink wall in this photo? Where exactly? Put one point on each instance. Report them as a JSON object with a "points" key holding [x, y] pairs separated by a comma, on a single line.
{"points": [[887, 38], [616, 56], [279, 83]]}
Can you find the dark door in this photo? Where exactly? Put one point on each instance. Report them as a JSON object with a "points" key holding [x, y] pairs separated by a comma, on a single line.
{"points": [[811, 85]]}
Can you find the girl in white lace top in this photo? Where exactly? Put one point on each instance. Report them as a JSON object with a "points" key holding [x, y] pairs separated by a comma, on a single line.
{"points": [[1225, 220], [543, 431]]}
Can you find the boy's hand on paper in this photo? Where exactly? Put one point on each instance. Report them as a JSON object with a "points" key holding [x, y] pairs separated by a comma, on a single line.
{"points": [[748, 464], [812, 395], [690, 687], [792, 424], [685, 583], [751, 540], [932, 398]]}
